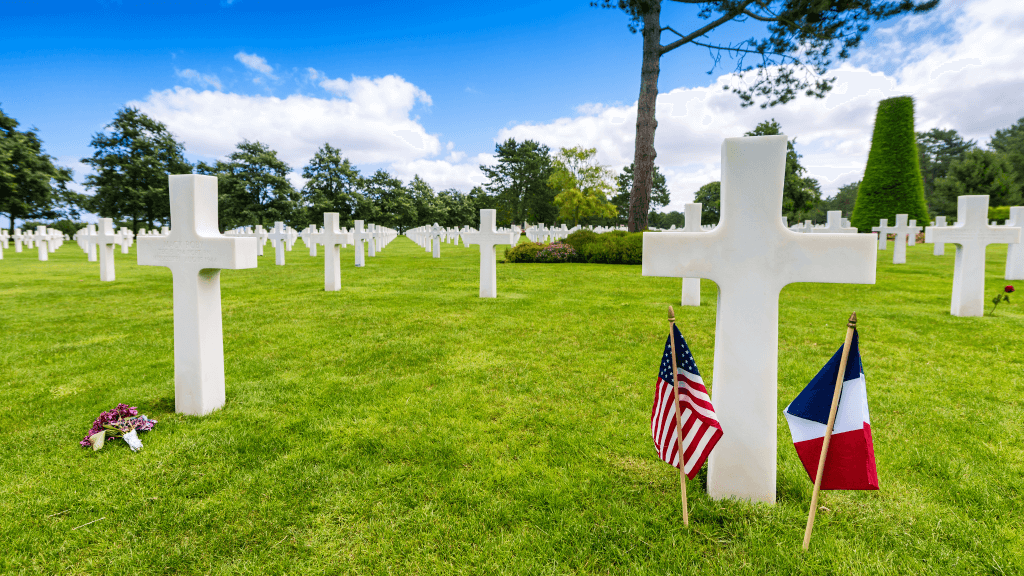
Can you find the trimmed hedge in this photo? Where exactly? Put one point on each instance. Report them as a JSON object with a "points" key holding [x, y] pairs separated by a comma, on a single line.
{"points": [[616, 247], [892, 178], [998, 213]]}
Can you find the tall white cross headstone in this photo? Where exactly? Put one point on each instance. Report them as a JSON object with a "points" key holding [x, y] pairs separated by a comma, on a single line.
{"points": [[371, 249], [278, 236], [751, 257], [691, 286], [42, 239], [332, 238], [902, 231], [90, 242], [359, 236], [18, 238], [105, 239], [435, 239], [883, 233], [971, 234], [940, 248], [1015, 252], [196, 252], [912, 237], [487, 238]]}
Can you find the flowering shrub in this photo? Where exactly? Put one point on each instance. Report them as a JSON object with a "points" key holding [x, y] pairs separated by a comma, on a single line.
{"points": [[523, 252], [557, 252]]}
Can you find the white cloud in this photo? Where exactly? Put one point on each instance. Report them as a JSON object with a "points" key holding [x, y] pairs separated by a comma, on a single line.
{"points": [[256, 64], [203, 80], [370, 121], [968, 79]]}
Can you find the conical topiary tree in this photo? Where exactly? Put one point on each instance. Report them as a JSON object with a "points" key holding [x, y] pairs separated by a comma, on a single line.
{"points": [[892, 179]]}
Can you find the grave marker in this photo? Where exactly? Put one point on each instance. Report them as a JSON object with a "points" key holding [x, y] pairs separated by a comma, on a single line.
{"points": [[883, 233], [105, 239], [42, 239], [278, 236], [940, 248], [487, 238], [835, 225], [901, 230], [196, 252], [359, 236], [751, 257], [972, 235], [1015, 252], [332, 238]]}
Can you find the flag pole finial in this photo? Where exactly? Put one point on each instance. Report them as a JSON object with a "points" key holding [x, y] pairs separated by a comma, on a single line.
{"points": [[671, 314], [851, 323]]}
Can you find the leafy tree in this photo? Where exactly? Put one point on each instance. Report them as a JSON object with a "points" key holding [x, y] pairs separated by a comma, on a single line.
{"points": [[844, 201], [429, 209], [800, 194], [581, 184], [133, 158], [31, 186], [892, 178], [1010, 141], [978, 172], [253, 187], [667, 219], [333, 184], [659, 192], [519, 182], [801, 36], [936, 151], [710, 198], [394, 205]]}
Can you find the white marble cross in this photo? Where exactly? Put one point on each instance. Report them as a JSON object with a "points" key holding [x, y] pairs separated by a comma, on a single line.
{"points": [[834, 225], [1015, 252], [691, 286], [487, 238], [5, 239], [751, 257], [309, 238], [359, 236], [940, 248], [42, 239], [371, 237], [971, 234], [279, 236], [883, 233], [105, 239], [18, 238], [332, 238], [435, 239], [901, 230], [90, 242], [196, 252], [912, 237], [55, 239], [126, 239]]}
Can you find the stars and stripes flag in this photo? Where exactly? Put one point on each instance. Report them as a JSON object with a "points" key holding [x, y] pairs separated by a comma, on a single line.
{"points": [[701, 430]]}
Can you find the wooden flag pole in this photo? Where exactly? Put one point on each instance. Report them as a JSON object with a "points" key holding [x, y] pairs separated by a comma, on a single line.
{"points": [[851, 326], [679, 409]]}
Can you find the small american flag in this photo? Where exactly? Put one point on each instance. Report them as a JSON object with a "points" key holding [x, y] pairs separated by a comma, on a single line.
{"points": [[701, 429]]}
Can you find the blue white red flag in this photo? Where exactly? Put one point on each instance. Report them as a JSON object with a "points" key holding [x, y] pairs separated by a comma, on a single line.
{"points": [[850, 464], [701, 430]]}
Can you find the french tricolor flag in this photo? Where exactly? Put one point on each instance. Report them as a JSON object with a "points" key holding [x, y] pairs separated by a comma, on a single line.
{"points": [[850, 464]]}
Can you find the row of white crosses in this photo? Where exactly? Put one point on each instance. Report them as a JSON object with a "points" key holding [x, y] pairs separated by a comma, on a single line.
{"points": [[752, 256], [905, 233], [45, 239]]}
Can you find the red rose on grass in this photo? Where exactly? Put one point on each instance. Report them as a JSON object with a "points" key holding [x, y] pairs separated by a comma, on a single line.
{"points": [[1008, 289]]}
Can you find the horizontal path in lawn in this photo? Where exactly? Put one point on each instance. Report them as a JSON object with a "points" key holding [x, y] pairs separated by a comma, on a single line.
{"points": [[402, 425]]}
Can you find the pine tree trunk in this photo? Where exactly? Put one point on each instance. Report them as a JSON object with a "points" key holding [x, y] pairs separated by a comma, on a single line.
{"points": [[646, 123]]}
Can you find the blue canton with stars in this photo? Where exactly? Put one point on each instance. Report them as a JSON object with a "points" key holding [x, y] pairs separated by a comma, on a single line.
{"points": [[683, 357]]}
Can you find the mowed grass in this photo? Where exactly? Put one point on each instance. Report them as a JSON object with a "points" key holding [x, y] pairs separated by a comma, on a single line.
{"points": [[405, 426]]}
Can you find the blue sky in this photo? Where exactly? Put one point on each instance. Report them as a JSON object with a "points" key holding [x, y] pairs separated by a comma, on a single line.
{"points": [[427, 88]]}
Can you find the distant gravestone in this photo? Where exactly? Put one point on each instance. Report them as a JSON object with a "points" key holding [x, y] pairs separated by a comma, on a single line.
{"points": [[691, 286], [912, 237], [883, 233], [435, 239], [42, 239], [278, 236], [90, 242], [18, 238], [332, 238], [196, 252], [751, 257], [971, 235], [901, 231], [940, 248], [105, 240], [371, 244], [834, 225], [359, 236], [126, 239], [487, 238], [1015, 252]]}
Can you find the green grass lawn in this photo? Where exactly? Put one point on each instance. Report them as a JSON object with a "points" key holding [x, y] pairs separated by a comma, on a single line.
{"points": [[405, 426]]}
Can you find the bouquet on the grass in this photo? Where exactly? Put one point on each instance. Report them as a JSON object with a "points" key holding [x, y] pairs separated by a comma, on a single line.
{"points": [[121, 422]]}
